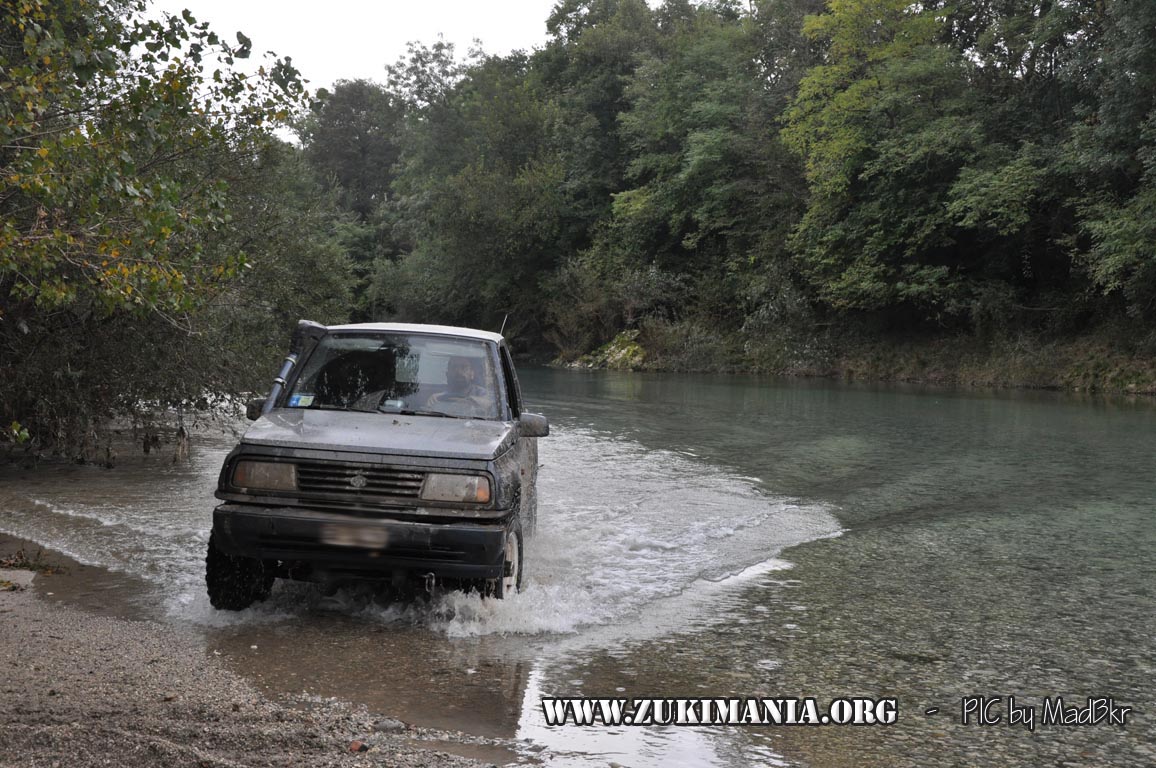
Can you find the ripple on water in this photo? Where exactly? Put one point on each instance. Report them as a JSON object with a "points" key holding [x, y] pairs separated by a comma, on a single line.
{"points": [[623, 531]]}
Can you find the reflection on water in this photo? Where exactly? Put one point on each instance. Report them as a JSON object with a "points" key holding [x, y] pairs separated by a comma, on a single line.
{"points": [[475, 685], [719, 536]]}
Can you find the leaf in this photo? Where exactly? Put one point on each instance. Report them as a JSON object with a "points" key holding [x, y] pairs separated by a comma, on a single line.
{"points": [[246, 46]]}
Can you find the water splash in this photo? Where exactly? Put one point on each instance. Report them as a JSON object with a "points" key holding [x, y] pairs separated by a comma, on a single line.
{"points": [[620, 528]]}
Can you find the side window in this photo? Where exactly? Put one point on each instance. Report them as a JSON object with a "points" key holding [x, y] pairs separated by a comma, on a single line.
{"points": [[512, 392]]}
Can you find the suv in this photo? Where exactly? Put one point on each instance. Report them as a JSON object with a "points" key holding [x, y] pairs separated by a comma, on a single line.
{"points": [[386, 452]]}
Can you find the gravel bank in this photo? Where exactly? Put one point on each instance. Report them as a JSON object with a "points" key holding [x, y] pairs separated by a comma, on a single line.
{"points": [[78, 689]]}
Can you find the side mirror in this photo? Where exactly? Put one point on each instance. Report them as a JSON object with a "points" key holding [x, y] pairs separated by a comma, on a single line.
{"points": [[253, 409], [533, 425]]}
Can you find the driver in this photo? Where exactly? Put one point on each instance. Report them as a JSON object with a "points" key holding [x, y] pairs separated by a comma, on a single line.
{"points": [[461, 381]]}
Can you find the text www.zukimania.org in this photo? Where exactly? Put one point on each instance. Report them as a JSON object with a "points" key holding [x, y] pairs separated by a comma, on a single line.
{"points": [[719, 711]]}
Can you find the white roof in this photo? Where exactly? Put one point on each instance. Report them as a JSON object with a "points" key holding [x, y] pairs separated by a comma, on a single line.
{"points": [[439, 330]]}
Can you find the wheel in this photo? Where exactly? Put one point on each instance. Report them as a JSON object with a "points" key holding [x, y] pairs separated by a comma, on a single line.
{"points": [[511, 581], [234, 583]]}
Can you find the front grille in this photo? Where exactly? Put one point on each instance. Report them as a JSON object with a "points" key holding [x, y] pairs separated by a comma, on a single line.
{"points": [[358, 481]]}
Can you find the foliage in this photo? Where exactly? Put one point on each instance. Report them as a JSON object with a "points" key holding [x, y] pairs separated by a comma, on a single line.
{"points": [[944, 146], [477, 195], [588, 301], [97, 144], [1114, 147], [352, 140], [780, 169], [135, 158], [738, 183]]}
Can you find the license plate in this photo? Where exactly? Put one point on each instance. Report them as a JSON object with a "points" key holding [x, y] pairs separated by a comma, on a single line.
{"points": [[354, 536]]}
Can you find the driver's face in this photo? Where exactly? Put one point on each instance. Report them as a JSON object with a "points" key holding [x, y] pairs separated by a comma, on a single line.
{"points": [[461, 373]]}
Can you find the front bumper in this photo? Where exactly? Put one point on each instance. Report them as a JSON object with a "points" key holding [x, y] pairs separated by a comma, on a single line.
{"points": [[369, 546]]}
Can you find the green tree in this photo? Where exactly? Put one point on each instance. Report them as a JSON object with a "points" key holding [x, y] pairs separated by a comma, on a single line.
{"points": [[710, 192], [875, 221], [118, 135], [1114, 146], [97, 210], [596, 48], [932, 137], [481, 212], [352, 140]]}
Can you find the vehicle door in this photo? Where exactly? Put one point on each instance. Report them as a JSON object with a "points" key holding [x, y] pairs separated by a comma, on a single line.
{"points": [[525, 449]]}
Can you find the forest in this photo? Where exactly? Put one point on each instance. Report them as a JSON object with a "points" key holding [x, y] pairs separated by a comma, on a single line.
{"points": [[958, 190]]}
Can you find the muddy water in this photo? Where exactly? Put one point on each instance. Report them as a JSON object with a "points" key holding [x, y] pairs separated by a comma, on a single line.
{"points": [[714, 536]]}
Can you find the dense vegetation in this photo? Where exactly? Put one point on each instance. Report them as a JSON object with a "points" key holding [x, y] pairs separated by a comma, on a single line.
{"points": [[760, 185], [765, 185], [155, 241]]}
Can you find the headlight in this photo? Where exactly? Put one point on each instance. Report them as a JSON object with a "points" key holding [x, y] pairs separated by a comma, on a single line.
{"points": [[471, 488], [265, 475]]}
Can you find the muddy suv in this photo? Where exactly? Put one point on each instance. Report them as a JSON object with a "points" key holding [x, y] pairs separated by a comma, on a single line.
{"points": [[389, 452]]}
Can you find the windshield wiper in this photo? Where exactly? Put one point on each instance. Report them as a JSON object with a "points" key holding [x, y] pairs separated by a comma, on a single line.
{"points": [[425, 413], [336, 407]]}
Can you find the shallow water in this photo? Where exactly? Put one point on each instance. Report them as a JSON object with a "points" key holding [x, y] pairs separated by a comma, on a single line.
{"points": [[715, 536]]}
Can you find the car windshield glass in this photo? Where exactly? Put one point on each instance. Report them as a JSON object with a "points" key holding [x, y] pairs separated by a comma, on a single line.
{"points": [[399, 373]]}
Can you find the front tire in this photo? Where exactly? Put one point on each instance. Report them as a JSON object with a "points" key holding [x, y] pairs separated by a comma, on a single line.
{"points": [[511, 580], [234, 582]]}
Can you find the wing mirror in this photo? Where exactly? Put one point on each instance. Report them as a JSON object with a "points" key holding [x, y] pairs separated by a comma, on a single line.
{"points": [[253, 409], [533, 425]]}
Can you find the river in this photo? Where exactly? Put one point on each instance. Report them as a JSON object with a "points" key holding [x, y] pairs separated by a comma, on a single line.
{"points": [[716, 536]]}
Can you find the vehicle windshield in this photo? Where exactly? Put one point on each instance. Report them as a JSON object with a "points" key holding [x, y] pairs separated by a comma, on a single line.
{"points": [[399, 373]]}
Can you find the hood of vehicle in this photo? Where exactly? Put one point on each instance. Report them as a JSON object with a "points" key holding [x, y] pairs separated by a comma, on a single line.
{"points": [[386, 433]]}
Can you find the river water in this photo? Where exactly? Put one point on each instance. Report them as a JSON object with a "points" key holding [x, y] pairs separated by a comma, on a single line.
{"points": [[716, 536]]}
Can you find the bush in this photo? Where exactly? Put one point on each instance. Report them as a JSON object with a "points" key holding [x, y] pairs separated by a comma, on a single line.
{"points": [[589, 303], [688, 345]]}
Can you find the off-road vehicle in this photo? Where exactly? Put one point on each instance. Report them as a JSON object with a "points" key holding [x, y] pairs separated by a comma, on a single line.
{"points": [[389, 452]]}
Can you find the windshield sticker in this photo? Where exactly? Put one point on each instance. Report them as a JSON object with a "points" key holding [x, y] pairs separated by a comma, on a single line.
{"points": [[300, 401]]}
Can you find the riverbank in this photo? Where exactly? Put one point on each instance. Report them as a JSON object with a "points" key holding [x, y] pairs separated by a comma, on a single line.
{"points": [[83, 689], [1107, 363]]}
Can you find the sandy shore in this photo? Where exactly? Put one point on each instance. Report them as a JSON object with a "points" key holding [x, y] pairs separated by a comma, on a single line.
{"points": [[81, 689]]}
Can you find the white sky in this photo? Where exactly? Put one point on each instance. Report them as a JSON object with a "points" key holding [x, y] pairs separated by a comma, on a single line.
{"points": [[350, 39]]}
